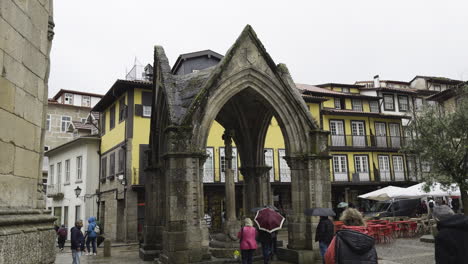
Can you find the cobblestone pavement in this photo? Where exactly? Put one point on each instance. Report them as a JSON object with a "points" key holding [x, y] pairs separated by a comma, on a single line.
{"points": [[401, 251], [406, 251]]}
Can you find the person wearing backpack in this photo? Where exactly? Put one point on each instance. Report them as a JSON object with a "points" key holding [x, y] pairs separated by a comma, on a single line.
{"points": [[247, 241], [91, 235], [62, 236]]}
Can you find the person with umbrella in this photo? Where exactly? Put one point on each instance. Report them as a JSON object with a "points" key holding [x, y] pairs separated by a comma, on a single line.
{"points": [[269, 221], [325, 228]]}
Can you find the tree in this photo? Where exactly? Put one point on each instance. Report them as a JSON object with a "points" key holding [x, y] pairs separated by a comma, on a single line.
{"points": [[440, 137]]}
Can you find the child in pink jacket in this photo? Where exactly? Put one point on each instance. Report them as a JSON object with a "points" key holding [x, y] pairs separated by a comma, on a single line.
{"points": [[247, 241]]}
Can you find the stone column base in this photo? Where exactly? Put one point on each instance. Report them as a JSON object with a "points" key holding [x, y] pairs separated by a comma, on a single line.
{"points": [[297, 256], [149, 254], [26, 234]]}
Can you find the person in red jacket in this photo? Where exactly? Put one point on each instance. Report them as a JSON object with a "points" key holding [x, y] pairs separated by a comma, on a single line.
{"points": [[351, 244], [247, 241]]}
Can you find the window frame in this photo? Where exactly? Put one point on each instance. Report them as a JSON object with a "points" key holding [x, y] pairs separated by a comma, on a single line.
{"points": [[146, 108], [67, 171], [69, 95], [385, 103], [103, 123], [79, 168], [103, 168], [340, 165], [51, 174], [48, 122], [283, 177], [335, 101], [354, 103], [112, 117], [271, 173], [66, 125], [399, 103], [83, 101], [112, 164], [377, 106], [345, 90], [121, 160], [122, 109]]}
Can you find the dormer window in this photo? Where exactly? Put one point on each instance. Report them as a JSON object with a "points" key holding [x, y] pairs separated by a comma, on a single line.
{"points": [[68, 98], [86, 101]]}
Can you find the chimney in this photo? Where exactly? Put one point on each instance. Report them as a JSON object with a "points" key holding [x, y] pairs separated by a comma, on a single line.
{"points": [[376, 81]]}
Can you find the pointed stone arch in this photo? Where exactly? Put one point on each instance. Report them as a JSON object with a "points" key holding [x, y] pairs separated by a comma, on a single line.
{"points": [[243, 92]]}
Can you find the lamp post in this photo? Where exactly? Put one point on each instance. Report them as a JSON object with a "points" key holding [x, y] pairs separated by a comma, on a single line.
{"points": [[77, 191]]}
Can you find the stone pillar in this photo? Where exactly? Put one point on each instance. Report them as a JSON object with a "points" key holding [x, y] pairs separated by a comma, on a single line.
{"points": [[257, 188], [231, 225], [185, 237], [310, 187], [152, 232], [26, 229]]}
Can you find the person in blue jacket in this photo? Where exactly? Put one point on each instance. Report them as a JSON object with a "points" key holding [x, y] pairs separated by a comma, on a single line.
{"points": [[91, 235]]}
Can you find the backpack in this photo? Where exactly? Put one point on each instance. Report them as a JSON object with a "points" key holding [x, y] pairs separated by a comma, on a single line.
{"points": [[97, 230]]}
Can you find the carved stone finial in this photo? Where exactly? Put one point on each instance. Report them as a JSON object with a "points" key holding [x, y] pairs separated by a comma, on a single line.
{"points": [[50, 30]]}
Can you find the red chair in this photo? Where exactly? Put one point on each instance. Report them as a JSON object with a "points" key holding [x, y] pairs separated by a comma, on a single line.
{"points": [[396, 230], [413, 226]]}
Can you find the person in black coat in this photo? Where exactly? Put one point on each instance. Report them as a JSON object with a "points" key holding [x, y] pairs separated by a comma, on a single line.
{"points": [[451, 243], [266, 239], [77, 241], [324, 234]]}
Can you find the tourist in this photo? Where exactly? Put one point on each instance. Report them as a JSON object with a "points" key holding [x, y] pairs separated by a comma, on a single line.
{"points": [[266, 239], [324, 234], [62, 236], [351, 244], [77, 241], [91, 235], [247, 241], [451, 242]]}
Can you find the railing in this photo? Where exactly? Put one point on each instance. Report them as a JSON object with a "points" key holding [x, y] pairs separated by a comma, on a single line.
{"points": [[358, 141], [369, 176], [54, 191]]}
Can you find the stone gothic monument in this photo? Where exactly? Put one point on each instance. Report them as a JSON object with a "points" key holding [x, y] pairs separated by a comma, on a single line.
{"points": [[26, 32], [242, 93]]}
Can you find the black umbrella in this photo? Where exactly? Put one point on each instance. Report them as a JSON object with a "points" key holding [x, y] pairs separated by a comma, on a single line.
{"points": [[319, 212]]}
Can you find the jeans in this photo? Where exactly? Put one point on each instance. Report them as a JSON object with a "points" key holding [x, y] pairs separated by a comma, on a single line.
{"points": [[91, 240], [76, 256], [266, 250], [323, 249], [247, 256]]}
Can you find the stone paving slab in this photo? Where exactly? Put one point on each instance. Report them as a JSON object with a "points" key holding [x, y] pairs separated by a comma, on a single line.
{"points": [[401, 251]]}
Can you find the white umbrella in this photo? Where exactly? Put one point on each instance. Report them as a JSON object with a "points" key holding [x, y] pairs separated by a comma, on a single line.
{"points": [[383, 194], [436, 190]]}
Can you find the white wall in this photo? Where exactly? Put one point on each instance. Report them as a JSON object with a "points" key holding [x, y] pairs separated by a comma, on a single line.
{"points": [[88, 185]]}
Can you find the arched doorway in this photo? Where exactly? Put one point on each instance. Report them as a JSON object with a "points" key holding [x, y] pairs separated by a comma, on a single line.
{"points": [[242, 93]]}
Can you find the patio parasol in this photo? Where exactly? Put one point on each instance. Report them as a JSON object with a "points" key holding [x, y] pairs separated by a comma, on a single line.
{"points": [[319, 212], [268, 220]]}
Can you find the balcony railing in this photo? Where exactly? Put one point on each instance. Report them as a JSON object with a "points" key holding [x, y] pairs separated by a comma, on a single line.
{"points": [[54, 191], [376, 175], [366, 141]]}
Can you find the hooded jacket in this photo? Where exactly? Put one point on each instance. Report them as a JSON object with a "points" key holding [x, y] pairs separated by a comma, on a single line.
{"points": [[451, 243], [77, 238], [351, 246], [91, 226]]}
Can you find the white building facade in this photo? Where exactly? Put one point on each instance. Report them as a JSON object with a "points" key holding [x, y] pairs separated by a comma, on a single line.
{"points": [[73, 165]]}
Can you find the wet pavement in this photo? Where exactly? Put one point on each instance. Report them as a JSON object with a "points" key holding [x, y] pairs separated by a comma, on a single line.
{"points": [[401, 251]]}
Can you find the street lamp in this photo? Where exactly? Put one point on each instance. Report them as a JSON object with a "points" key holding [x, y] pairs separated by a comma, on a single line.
{"points": [[77, 191]]}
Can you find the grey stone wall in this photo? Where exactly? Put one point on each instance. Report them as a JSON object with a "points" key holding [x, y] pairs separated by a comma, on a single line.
{"points": [[26, 31], [55, 137]]}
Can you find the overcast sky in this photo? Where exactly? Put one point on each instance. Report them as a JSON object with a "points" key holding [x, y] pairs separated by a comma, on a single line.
{"points": [[96, 41]]}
